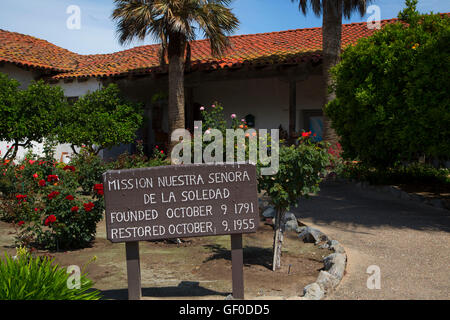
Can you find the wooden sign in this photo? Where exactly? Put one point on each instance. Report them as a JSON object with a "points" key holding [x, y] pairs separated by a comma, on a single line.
{"points": [[179, 202]]}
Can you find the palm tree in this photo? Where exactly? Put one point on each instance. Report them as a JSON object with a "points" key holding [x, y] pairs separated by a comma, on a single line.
{"points": [[174, 24], [331, 11]]}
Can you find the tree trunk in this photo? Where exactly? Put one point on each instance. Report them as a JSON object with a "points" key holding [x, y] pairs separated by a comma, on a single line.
{"points": [[278, 239], [176, 51], [331, 40]]}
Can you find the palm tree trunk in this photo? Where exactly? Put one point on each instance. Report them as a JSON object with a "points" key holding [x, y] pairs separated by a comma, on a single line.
{"points": [[177, 47], [331, 39]]}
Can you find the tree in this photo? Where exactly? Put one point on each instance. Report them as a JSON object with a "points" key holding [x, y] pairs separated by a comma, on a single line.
{"points": [[100, 120], [174, 23], [28, 115], [391, 90], [299, 174], [332, 11]]}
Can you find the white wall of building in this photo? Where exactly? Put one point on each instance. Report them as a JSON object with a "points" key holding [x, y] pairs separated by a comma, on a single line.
{"points": [[23, 76], [267, 99], [77, 88]]}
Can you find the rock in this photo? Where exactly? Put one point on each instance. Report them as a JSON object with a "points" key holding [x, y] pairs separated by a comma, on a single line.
{"points": [[289, 216], [335, 246], [327, 281], [311, 235], [335, 264], [291, 225], [301, 228], [269, 212], [313, 292], [263, 204]]}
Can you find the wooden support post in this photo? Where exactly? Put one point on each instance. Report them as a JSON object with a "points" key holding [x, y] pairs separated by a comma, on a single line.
{"points": [[237, 266], [292, 108], [133, 270]]}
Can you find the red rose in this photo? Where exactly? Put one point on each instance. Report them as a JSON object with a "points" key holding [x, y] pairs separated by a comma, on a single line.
{"points": [[99, 188], [42, 183], [69, 197], [35, 176], [21, 198], [52, 178], [50, 219], [88, 206], [53, 194], [74, 209], [20, 223], [71, 168]]}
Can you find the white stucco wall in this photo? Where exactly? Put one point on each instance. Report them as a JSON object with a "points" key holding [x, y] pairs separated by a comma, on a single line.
{"points": [[71, 89], [267, 99], [23, 76], [77, 88]]}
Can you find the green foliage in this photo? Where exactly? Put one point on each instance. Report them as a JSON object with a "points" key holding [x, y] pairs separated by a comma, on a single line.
{"points": [[38, 278], [28, 115], [300, 170], [90, 168], [100, 120], [139, 160], [392, 101], [416, 173]]}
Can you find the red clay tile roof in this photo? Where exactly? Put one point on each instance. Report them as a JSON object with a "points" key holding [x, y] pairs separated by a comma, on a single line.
{"points": [[290, 46], [28, 51]]}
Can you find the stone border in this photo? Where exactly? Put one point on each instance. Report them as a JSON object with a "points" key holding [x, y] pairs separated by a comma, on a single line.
{"points": [[399, 193], [334, 264]]}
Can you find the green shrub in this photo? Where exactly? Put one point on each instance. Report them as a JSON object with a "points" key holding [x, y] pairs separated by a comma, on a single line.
{"points": [[90, 168], [100, 120], [38, 278], [392, 101], [47, 206], [416, 173], [301, 169], [28, 115]]}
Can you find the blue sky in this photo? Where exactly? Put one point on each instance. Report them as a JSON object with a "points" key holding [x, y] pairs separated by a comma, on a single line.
{"points": [[46, 19]]}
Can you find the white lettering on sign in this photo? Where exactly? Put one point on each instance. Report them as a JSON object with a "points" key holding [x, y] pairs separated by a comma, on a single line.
{"points": [[182, 201]]}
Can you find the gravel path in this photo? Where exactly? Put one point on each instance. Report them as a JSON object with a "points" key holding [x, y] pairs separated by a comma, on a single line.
{"points": [[409, 241]]}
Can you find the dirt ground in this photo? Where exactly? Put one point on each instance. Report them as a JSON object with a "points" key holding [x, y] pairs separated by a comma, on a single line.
{"points": [[199, 268]]}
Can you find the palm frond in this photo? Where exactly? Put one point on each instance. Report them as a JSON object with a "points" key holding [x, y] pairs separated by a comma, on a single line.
{"points": [[166, 19]]}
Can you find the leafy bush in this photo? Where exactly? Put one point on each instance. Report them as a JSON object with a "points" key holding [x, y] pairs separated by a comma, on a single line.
{"points": [[301, 169], [46, 203], [38, 278], [101, 119], [28, 115], [416, 173], [392, 101], [90, 168]]}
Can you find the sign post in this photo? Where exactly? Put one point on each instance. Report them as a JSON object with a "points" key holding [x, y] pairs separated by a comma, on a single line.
{"points": [[133, 270], [237, 266], [181, 201]]}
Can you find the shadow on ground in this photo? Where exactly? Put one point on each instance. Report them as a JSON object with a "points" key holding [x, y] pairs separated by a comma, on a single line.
{"points": [[344, 204], [184, 289], [252, 255]]}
